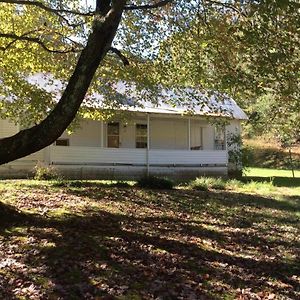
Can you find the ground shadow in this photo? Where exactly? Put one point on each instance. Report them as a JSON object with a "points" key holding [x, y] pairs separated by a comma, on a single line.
{"points": [[275, 180], [100, 253]]}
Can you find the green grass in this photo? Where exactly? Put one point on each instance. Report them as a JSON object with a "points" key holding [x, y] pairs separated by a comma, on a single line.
{"points": [[206, 183], [263, 172], [101, 239]]}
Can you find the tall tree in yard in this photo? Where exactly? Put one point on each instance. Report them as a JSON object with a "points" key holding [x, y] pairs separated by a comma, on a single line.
{"points": [[245, 49]]}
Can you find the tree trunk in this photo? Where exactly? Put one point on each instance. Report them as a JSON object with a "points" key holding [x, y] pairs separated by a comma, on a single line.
{"points": [[40, 136]]}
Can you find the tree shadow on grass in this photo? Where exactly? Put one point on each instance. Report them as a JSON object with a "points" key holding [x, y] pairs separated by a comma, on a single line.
{"points": [[81, 258], [108, 254], [276, 180], [9, 215], [200, 198], [230, 199]]}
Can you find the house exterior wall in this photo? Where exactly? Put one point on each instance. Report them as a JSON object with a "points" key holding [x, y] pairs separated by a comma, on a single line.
{"points": [[88, 134], [21, 166], [234, 127], [135, 172], [156, 157], [169, 149], [127, 134], [165, 133], [168, 134], [7, 128], [208, 138]]}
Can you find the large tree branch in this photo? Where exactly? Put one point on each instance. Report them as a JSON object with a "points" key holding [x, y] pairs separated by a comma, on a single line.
{"points": [[58, 12], [121, 56], [47, 8], [148, 6], [38, 137], [103, 6], [25, 37]]}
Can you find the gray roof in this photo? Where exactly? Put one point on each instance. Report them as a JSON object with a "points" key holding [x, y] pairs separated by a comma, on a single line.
{"points": [[179, 101], [225, 108]]}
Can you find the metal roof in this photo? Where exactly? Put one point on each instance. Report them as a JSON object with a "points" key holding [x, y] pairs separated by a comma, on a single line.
{"points": [[227, 108], [180, 102], [184, 101]]}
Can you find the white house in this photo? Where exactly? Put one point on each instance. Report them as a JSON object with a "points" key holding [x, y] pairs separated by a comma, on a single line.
{"points": [[158, 140]]}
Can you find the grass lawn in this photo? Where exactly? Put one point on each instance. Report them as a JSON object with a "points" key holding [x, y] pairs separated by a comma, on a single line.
{"points": [[89, 240], [263, 172]]}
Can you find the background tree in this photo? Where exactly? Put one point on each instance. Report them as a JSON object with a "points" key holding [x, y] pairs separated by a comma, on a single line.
{"points": [[249, 51], [246, 49]]}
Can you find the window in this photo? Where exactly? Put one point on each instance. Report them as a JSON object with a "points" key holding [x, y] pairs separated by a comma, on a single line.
{"points": [[220, 143], [196, 136], [62, 142], [113, 135], [141, 136]]}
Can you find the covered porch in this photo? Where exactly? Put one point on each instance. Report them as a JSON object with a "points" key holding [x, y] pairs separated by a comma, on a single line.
{"points": [[146, 142], [137, 157], [108, 163]]}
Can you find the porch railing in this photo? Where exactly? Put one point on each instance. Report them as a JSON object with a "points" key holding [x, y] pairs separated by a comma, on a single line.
{"points": [[124, 156]]}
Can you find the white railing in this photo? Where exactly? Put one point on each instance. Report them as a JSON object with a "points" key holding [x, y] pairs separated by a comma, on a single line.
{"points": [[31, 159], [94, 155], [110, 156], [186, 157]]}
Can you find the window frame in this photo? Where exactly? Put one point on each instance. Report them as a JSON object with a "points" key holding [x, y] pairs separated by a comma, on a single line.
{"points": [[141, 136], [196, 147], [109, 135], [62, 140]]}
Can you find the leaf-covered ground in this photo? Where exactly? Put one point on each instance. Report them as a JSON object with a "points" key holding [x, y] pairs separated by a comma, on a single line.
{"points": [[89, 241]]}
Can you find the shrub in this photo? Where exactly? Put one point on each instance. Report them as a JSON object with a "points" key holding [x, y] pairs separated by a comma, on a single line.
{"points": [[239, 156], [43, 172], [153, 182], [120, 184], [234, 184], [218, 184], [205, 183], [199, 184]]}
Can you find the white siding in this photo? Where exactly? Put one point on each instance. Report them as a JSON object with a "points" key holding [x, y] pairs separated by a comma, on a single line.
{"points": [[196, 134], [168, 145], [234, 127], [37, 156], [179, 157], [88, 134], [31, 159], [168, 134], [127, 135], [7, 128], [165, 133], [91, 155], [208, 138]]}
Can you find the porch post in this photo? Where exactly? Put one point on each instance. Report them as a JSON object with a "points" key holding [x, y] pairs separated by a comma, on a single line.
{"points": [[189, 133], [102, 134], [225, 138], [148, 142]]}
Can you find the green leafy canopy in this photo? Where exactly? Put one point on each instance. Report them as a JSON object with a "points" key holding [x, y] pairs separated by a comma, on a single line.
{"points": [[247, 49]]}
